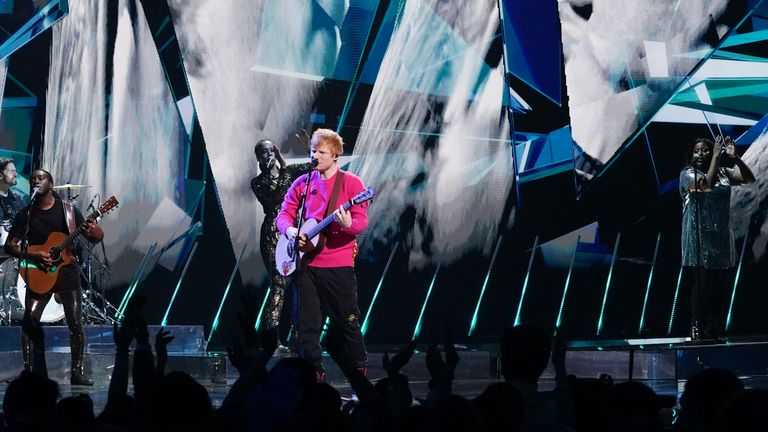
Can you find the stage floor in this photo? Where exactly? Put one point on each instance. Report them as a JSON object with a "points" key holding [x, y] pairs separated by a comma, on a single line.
{"points": [[663, 364]]}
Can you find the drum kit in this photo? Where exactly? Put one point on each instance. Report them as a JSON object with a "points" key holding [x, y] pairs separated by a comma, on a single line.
{"points": [[96, 308]]}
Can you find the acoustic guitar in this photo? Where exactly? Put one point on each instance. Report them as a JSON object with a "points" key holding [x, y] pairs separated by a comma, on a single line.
{"points": [[42, 278], [285, 253]]}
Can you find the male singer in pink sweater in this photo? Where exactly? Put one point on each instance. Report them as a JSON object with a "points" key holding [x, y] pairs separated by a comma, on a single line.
{"points": [[327, 278]]}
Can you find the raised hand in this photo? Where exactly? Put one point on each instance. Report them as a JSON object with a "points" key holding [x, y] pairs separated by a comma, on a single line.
{"points": [[730, 147], [123, 334], [435, 363], [718, 148], [162, 338], [396, 363], [303, 139]]}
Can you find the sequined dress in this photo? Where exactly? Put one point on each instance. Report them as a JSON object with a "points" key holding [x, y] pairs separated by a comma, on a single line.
{"points": [[706, 222], [270, 192]]}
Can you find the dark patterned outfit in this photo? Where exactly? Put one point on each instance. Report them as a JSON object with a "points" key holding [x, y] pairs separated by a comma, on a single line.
{"points": [[270, 192]]}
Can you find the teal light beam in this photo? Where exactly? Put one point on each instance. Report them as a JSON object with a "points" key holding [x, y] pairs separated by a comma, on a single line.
{"points": [[417, 329], [325, 328], [378, 288], [473, 323], [215, 323], [261, 309], [559, 319], [735, 284], [608, 284], [525, 282], [674, 301], [164, 322], [648, 287], [134, 282]]}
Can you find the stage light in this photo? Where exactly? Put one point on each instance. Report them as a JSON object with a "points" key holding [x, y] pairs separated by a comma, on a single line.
{"points": [[378, 288], [567, 283], [648, 286], [608, 285], [417, 329], [482, 290], [164, 322], [525, 282], [132, 287], [215, 323], [735, 284], [261, 309], [674, 301]]}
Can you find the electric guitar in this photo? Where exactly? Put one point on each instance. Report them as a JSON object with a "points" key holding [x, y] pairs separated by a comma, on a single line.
{"points": [[285, 253], [43, 277]]}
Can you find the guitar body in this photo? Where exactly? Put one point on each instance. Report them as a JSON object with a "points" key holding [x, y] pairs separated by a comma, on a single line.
{"points": [[285, 258], [41, 279]]}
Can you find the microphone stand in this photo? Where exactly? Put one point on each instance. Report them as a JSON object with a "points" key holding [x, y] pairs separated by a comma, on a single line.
{"points": [[297, 256], [25, 254]]}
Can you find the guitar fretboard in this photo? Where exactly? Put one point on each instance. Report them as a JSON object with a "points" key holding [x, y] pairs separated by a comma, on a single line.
{"points": [[325, 222]]}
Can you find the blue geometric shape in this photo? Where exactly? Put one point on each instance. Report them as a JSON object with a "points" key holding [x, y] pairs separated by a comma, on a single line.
{"points": [[44, 17], [753, 133], [544, 155], [532, 44]]}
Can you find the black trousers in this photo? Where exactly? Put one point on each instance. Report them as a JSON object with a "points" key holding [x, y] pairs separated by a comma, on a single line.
{"points": [[73, 312], [330, 292], [710, 298]]}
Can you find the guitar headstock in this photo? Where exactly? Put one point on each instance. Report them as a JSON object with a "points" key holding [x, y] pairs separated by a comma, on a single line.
{"points": [[364, 196], [107, 206]]}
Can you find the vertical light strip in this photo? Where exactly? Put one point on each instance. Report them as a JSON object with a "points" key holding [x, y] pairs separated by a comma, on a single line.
{"points": [[261, 309], [735, 284], [482, 290], [215, 323], [525, 282], [378, 288], [164, 322], [417, 329], [648, 287], [325, 328], [608, 284], [132, 287], [674, 301], [567, 283]]}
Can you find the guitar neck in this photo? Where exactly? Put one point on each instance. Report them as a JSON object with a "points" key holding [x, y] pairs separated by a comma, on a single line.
{"points": [[324, 223], [70, 240]]}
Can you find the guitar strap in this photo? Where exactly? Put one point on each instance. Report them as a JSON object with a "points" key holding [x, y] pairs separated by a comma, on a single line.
{"points": [[69, 215], [331, 208]]}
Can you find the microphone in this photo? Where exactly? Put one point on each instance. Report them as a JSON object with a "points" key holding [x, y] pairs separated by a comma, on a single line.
{"points": [[90, 204], [270, 162], [35, 191], [313, 164]]}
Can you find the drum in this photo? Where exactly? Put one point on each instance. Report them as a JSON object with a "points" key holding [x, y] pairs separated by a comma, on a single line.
{"points": [[5, 229], [11, 308], [16, 291]]}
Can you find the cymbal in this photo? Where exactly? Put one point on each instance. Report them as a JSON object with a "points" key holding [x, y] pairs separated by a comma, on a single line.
{"points": [[71, 186]]}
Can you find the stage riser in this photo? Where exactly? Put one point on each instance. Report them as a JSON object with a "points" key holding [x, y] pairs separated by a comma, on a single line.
{"points": [[186, 339], [215, 369]]}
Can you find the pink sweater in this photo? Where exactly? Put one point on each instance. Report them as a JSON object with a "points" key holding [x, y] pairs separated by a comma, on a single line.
{"points": [[340, 242]]}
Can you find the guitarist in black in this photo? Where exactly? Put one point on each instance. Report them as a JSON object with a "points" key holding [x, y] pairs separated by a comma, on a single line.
{"points": [[327, 277], [48, 214]]}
